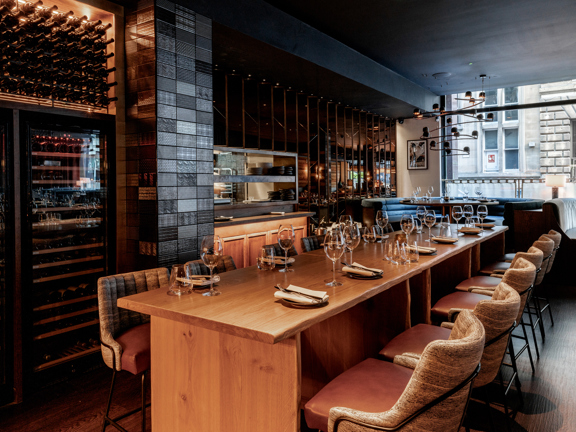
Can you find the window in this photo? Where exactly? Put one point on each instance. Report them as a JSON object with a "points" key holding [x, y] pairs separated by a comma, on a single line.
{"points": [[510, 95], [491, 150], [491, 97], [511, 115], [511, 149]]}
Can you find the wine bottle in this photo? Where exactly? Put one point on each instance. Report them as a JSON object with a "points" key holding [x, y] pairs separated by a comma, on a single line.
{"points": [[28, 25], [13, 20], [100, 44], [90, 26], [45, 27], [61, 32], [10, 4], [101, 29], [46, 12], [102, 72], [74, 21], [30, 8]]}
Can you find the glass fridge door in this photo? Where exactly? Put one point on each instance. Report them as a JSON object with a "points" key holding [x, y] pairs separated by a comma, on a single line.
{"points": [[68, 194], [6, 328]]}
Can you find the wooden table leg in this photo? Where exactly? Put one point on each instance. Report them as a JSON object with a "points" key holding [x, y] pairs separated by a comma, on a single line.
{"points": [[421, 298], [207, 381]]}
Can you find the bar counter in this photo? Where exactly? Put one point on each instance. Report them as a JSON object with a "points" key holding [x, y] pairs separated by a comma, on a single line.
{"points": [[243, 361]]}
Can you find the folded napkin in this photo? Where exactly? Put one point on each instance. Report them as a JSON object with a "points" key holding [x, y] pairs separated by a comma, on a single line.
{"points": [[484, 225], [422, 249], [361, 270], [445, 239], [292, 295], [277, 260], [469, 230]]}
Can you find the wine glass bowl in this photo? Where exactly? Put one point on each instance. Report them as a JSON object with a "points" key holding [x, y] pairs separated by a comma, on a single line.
{"points": [[334, 248], [286, 240], [407, 224], [457, 214], [369, 234], [382, 221], [430, 220], [351, 235], [468, 211], [482, 212], [211, 253]]}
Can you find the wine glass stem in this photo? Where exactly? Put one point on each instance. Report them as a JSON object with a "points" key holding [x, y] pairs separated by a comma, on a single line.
{"points": [[429, 233], [351, 260], [285, 260], [333, 272], [211, 282]]}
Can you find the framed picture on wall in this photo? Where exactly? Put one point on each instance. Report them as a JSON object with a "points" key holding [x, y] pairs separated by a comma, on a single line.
{"points": [[417, 155]]}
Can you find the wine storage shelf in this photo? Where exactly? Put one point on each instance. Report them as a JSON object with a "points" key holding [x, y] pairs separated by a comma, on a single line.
{"points": [[67, 248], [65, 303], [67, 357], [64, 316], [66, 329], [68, 275], [66, 262]]}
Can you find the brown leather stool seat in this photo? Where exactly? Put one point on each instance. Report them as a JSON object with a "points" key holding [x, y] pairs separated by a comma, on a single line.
{"points": [[413, 340], [478, 282], [456, 300], [496, 266], [371, 386], [507, 257], [135, 344]]}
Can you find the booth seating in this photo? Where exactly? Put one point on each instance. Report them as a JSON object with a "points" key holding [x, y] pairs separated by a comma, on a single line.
{"points": [[394, 208], [430, 395], [564, 210]]}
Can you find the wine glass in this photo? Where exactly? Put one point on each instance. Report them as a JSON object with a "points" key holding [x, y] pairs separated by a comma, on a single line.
{"points": [[382, 221], [407, 224], [211, 252], [345, 220], [478, 193], [351, 238], [430, 220], [465, 194], [334, 248], [430, 192], [180, 280], [369, 234], [286, 240], [482, 213], [457, 215], [468, 212], [420, 212]]}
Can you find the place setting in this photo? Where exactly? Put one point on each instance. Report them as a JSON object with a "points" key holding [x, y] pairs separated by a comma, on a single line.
{"points": [[358, 271], [299, 297]]}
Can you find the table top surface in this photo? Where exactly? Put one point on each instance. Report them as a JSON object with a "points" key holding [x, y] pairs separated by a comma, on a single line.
{"points": [[437, 202], [247, 306]]}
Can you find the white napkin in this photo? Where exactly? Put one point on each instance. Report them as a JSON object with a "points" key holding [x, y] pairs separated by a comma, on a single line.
{"points": [[357, 271], [445, 239], [374, 270], [470, 230], [319, 296], [423, 249]]}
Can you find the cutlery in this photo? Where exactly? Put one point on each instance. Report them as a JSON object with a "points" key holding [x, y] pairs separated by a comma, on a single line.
{"points": [[287, 291], [362, 268]]}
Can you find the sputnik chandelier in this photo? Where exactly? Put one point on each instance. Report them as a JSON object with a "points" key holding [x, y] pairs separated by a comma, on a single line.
{"points": [[443, 141]]}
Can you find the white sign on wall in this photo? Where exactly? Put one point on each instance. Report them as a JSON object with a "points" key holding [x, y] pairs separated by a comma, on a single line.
{"points": [[491, 161]]}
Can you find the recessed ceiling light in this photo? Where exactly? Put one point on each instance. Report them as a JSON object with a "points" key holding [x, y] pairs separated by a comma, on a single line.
{"points": [[440, 75]]}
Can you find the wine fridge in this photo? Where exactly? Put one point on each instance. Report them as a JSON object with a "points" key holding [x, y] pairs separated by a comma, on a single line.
{"points": [[67, 232], [6, 263]]}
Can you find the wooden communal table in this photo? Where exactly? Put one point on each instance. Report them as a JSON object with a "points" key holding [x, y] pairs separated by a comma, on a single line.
{"points": [[244, 362], [447, 205]]}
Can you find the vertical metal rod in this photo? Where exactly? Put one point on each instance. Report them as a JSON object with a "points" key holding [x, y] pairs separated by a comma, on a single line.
{"points": [[226, 109], [338, 170], [272, 118], [243, 115], [318, 144], [259, 115], [286, 127], [328, 156]]}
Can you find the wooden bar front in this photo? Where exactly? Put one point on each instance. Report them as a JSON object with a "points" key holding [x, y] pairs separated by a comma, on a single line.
{"points": [[243, 361]]}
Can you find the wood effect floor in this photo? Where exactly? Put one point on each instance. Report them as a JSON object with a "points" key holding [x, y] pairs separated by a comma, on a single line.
{"points": [[77, 405]]}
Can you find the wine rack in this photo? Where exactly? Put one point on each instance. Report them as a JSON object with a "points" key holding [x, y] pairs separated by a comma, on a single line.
{"points": [[54, 56], [67, 219]]}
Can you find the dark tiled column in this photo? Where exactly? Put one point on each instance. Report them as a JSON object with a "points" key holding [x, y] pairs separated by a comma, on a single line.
{"points": [[184, 131]]}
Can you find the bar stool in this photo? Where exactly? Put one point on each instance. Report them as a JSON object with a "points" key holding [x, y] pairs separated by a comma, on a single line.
{"points": [[380, 395], [497, 314], [278, 251], [124, 334], [225, 264], [312, 243]]}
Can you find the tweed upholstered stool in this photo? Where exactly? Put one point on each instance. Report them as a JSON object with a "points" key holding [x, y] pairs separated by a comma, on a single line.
{"points": [[312, 243], [225, 264], [431, 394], [278, 251], [124, 334], [497, 314]]}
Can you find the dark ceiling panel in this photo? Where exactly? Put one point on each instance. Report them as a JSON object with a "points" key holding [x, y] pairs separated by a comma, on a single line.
{"points": [[514, 42]]}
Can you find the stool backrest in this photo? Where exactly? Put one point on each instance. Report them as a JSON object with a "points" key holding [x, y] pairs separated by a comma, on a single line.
{"points": [[278, 251], [546, 245], [521, 277], [556, 237], [225, 264], [312, 243], [115, 320], [498, 316]]}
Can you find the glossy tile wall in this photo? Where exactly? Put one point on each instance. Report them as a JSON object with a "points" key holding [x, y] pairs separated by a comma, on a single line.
{"points": [[169, 158]]}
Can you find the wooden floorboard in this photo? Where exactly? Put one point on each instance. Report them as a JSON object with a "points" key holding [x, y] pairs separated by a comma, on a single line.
{"points": [[78, 404]]}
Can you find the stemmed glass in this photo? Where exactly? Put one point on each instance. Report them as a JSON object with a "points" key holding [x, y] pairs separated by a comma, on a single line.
{"points": [[430, 220], [334, 248], [407, 225], [468, 212], [369, 234], [478, 192], [430, 192], [211, 252], [345, 220], [457, 215], [482, 212], [420, 212], [382, 221], [286, 240], [351, 238]]}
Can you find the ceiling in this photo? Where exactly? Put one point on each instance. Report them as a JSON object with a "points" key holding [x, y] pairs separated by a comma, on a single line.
{"points": [[513, 42]]}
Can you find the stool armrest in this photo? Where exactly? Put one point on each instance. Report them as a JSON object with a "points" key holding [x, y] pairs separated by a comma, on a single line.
{"points": [[409, 360], [453, 314], [447, 325], [483, 291], [111, 352], [497, 275]]}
